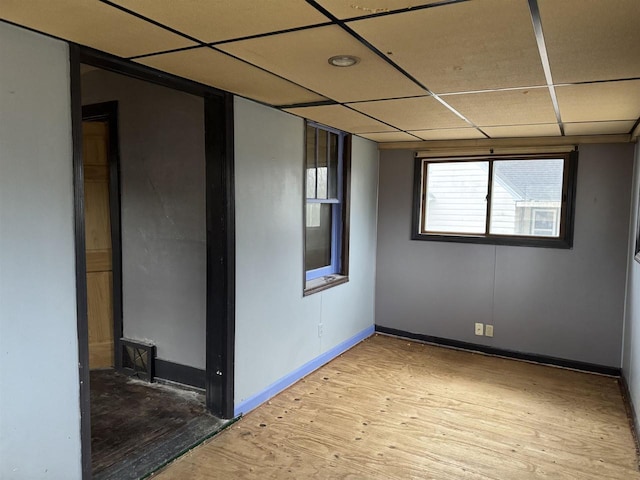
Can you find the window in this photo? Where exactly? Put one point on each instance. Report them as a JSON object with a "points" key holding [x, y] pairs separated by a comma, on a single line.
{"points": [[526, 200], [545, 222], [326, 171]]}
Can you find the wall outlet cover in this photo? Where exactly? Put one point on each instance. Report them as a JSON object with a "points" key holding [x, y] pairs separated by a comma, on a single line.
{"points": [[479, 329], [488, 331]]}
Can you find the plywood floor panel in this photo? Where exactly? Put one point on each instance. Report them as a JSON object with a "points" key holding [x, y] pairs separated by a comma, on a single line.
{"points": [[396, 409]]}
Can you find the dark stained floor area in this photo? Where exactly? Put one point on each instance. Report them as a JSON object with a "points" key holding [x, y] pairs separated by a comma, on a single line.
{"points": [[137, 427]]}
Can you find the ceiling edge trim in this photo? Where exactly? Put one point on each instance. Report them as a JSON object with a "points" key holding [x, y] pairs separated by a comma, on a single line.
{"points": [[507, 142], [446, 153]]}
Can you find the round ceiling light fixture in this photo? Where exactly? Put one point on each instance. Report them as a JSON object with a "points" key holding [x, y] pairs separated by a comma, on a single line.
{"points": [[343, 60]]}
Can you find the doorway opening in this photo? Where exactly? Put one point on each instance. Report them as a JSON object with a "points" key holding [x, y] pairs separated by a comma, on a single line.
{"points": [[153, 165]]}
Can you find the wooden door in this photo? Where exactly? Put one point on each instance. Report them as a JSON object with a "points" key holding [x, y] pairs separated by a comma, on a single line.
{"points": [[97, 221]]}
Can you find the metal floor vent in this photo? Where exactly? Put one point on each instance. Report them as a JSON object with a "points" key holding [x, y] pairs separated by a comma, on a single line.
{"points": [[138, 359]]}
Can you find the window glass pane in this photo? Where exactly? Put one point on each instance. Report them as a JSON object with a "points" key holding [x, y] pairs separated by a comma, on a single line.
{"points": [[311, 183], [526, 197], [322, 163], [456, 197], [333, 165], [311, 162], [318, 236]]}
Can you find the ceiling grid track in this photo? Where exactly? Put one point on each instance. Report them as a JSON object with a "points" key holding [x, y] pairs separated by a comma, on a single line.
{"points": [[371, 117], [377, 120], [228, 40], [163, 52], [544, 58], [153, 22], [200, 43], [322, 103], [271, 34], [222, 46], [342, 24], [403, 10], [595, 82], [264, 70]]}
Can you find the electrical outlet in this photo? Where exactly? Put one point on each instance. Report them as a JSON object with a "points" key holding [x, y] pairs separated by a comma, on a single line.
{"points": [[479, 328], [488, 331], [320, 330]]}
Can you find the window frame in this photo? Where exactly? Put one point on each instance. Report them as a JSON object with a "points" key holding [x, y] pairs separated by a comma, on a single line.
{"points": [[337, 272], [567, 211]]}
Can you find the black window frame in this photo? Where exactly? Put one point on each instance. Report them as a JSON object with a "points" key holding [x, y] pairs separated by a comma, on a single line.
{"points": [[565, 239]]}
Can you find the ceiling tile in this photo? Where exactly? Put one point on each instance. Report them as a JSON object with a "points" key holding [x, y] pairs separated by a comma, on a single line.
{"points": [[341, 117], [592, 102], [225, 19], [389, 137], [591, 39], [93, 24], [302, 56], [544, 130], [505, 107], [343, 10], [598, 128], [463, 46], [213, 68], [449, 134], [418, 113]]}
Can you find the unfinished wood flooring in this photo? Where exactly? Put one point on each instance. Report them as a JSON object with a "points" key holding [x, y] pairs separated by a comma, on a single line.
{"points": [[395, 409]]}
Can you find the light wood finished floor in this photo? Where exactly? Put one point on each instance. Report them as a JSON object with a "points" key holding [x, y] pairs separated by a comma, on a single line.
{"points": [[395, 409]]}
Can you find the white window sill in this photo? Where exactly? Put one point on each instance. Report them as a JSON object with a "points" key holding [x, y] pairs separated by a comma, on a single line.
{"points": [[322, 283]]}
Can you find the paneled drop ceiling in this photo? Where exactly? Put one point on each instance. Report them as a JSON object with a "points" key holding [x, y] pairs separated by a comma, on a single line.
{"points": [[428, 70]]}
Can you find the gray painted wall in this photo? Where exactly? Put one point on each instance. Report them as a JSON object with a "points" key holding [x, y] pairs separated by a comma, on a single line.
{"points": [[39, 393], [276, 328], [163, 213], [631, 352], [561, 303]]}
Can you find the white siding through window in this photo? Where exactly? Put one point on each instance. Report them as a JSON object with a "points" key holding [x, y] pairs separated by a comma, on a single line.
{"points": [[456, 197], [503, 210]]}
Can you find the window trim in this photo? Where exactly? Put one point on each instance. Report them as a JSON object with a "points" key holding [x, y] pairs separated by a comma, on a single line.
{"points": [[564, 241], [340, 236], [334, 267]]}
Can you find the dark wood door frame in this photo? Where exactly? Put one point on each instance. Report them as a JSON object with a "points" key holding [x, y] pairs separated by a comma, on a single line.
{"points": [[108, 112], [221, 256], [220, 220]]}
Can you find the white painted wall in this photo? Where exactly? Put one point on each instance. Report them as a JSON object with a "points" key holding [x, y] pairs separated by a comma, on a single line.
{"points": [[39, 386], [631, 348], [276, 327], [560, 303]]}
